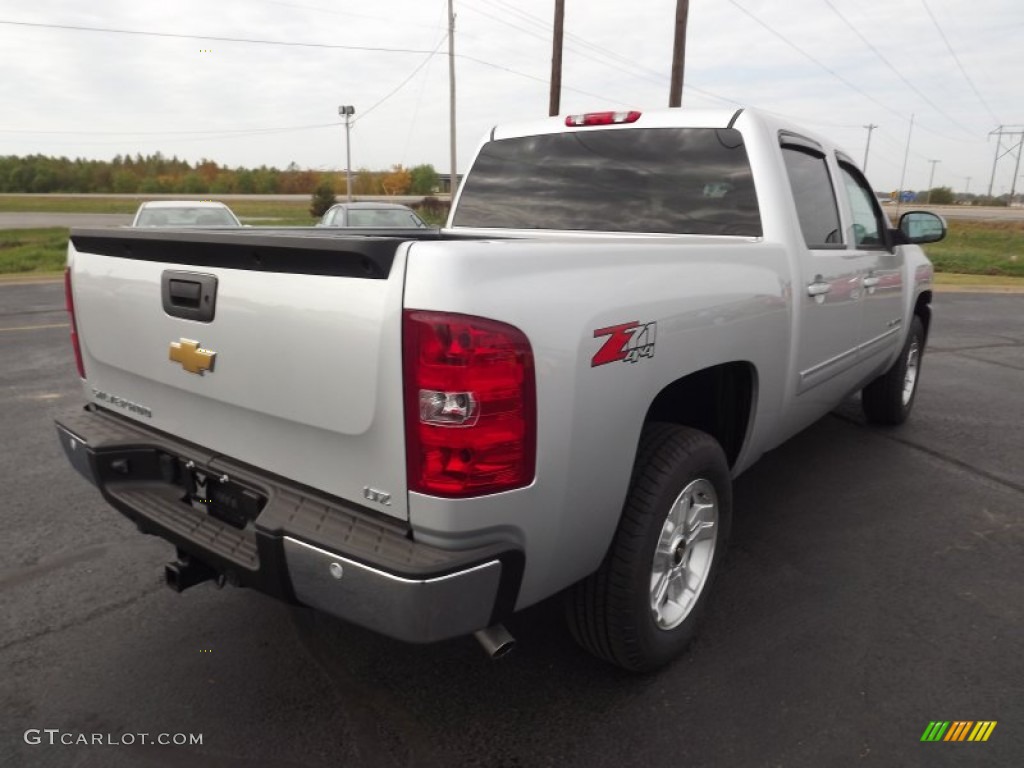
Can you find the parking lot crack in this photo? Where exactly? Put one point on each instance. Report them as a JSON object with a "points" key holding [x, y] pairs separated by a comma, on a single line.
{"points": [[1000, 363], [84, 619], [963, 465]]}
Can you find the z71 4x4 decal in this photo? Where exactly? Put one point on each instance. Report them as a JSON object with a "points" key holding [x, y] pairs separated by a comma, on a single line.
{"points": [[629, 342]]}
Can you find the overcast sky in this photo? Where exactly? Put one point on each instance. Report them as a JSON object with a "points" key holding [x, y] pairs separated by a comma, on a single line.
{"points": [[833, 65]]}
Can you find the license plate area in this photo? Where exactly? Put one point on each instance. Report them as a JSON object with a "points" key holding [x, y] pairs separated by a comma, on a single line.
{"points": [[222, 498]]}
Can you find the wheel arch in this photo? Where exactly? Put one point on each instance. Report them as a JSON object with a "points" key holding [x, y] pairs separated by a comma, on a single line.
{"points": [[923, 309], [718, 400]]}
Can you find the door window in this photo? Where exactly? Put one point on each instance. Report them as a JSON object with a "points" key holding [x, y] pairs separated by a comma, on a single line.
{"points": [[814, 196], [868, 224]]}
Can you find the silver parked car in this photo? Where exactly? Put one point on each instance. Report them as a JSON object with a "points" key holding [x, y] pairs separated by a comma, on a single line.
{"points": [[373, 215]]}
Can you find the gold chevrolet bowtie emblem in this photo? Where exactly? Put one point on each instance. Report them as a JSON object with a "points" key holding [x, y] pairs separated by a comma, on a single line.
{"points": [[192, 357]]}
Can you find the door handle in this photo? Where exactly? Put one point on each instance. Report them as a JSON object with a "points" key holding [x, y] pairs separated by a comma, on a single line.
{"points": [[819, 287], [871, 281]]}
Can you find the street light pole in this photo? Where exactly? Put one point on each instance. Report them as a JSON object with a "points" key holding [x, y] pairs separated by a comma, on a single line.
{"points": [[347, 112]]}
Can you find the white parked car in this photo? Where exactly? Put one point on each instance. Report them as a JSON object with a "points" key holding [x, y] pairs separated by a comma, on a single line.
{"points": [[184, 213]]}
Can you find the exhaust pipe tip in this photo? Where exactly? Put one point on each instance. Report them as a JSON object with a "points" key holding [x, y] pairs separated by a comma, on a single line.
{"points": [[496, 641]]}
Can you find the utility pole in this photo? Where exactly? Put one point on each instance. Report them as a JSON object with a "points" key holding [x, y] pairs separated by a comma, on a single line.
{"points": [[967, 189], [347, 113], [1016, 169], [675, 96], [453, 184], [1009, 131], [556, 59], [995, 162], [931, 179], [867, 146], [903, 175]]}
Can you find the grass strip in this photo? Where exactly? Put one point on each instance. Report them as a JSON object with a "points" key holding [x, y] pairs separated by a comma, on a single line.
{"points": [[33, 250], [291, 209], [991, 248]]}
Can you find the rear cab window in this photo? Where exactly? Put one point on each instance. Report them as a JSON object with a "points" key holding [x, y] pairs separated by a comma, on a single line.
{"points": [[642, 180]]}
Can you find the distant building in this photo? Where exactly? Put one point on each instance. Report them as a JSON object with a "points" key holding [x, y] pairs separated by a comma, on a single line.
{"points": [[444, 182]]}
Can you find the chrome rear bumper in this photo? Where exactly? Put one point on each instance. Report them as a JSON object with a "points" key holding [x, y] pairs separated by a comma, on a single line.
{"points": [[415, 610], [301, 546]]}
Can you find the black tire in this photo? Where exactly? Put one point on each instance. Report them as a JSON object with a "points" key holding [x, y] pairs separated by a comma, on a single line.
{"points": [[611, 612], [884, 400]]}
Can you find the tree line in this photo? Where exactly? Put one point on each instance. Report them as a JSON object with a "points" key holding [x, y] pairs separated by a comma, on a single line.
{"points": [[157, 174]]}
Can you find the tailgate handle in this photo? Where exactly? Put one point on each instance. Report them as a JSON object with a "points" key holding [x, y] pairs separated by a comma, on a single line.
{"points": [[189, 295], [185, 293]]}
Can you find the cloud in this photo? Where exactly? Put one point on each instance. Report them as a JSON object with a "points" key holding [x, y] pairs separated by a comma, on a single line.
{"points": [[113, 93]]}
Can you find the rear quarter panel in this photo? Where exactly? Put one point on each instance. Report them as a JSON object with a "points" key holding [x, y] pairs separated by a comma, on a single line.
{"points": [[714, 300]]}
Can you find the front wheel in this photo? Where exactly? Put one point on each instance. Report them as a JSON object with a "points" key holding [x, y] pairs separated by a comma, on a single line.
{"points": [[889, 398], [641, 608]]}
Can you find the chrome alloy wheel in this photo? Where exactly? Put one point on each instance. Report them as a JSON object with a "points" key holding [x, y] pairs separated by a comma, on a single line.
{"points": [[685, 551], [910, 376]]}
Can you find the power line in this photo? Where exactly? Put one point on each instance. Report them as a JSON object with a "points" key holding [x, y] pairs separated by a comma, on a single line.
{"points": [[604, 56], [544, 80], [805, 54], [622, 61], [608, 58], [419, 99], [257, 41], [77, 132], [918, 155], [545, 37], [652, 76], [399, 87], [226, 134], [957, 60], [895, 71], [335, 12], [822, 65], [214, 38]]}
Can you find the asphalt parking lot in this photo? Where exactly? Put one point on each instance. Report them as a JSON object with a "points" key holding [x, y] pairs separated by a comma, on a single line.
{"points": [[875, 583]]}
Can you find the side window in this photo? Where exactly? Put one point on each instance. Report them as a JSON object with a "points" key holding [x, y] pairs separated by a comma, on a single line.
{"points": [[814, 196], [868, 224]]}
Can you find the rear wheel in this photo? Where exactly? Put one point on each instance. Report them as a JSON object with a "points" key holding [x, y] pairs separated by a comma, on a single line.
{"points": [[641, 608], [890, 398]]}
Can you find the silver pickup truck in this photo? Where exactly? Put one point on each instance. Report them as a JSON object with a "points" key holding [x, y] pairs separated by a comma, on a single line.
{"points": [[424, 431]]}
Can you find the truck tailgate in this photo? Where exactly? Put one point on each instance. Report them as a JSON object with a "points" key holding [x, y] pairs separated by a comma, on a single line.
{"points": [[297, 372]]}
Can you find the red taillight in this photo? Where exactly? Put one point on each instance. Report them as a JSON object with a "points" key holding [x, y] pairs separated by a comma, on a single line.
{"points": [[470, 405], [69, 302], [602, 118]]}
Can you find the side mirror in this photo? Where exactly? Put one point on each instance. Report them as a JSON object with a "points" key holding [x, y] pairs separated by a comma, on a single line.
{"points": [[920, 227]]}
